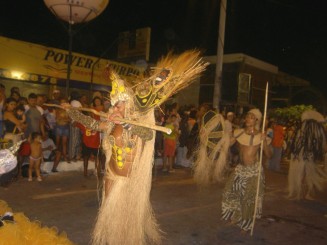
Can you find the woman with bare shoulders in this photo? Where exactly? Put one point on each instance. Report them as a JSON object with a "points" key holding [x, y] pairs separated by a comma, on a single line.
{"points": [[129, 151], [12, 123], [125, 215]]}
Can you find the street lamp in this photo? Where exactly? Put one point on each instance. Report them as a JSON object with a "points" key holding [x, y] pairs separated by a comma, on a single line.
{"points": [[75, 12]]}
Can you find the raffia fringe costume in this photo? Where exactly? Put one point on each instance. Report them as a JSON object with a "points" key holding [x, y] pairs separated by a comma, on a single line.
{"points": [[239, 195], [126, 216], [314, 177], [307, 150]]}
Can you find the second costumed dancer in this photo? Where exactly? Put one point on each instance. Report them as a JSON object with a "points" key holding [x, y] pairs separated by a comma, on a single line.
{"points": [[308, 149]]}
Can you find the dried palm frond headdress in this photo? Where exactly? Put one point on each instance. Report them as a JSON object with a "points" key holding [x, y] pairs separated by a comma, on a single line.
{"points": [[171, 74]]}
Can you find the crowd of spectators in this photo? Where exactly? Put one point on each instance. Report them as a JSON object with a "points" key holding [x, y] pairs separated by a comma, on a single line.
{"points": [[49, 127], [64, 140], [185, 122], [177, 148]]}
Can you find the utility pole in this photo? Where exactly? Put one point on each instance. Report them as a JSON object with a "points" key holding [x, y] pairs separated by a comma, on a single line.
{"points": [[220, 55], [69, 60]]}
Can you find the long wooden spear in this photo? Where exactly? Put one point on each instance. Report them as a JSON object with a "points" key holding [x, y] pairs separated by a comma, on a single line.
{"points": [[260, 161], [105, 115]]}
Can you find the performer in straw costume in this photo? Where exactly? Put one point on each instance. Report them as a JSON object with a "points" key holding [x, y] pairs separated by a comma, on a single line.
{"points": [[239, 195], [126, 216], [307, 150]]}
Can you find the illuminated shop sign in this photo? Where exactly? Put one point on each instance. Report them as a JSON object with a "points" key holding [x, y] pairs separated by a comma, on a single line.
{"points": [[33, 62], [27, 76]]}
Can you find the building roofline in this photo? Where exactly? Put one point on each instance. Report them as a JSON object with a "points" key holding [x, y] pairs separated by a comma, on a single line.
{"points": [[246, 59]]}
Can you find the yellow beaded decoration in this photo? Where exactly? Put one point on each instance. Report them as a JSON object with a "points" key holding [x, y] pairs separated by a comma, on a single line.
{"points": [[120, 153]]}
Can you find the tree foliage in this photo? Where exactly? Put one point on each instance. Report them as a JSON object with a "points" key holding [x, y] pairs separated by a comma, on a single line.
{"points": [[290, 115]]}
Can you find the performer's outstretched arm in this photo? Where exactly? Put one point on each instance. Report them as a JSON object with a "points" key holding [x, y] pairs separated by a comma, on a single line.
{"points": [[87, 121], [144, 133]]}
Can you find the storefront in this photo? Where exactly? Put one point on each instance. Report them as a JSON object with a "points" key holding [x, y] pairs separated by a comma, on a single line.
{"points": [[40, 69]]}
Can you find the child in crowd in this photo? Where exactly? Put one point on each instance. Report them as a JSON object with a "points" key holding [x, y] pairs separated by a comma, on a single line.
{"points": [[90, 146], [22, 101], [170, 144], [20, 115], [48, 148], [50, 122], [36, 157]]}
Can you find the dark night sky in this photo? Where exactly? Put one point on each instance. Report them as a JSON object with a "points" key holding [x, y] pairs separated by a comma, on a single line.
{"points": [[290, 34]]}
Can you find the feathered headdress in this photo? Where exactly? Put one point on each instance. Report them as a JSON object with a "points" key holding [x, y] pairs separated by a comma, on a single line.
{"points": [[171, 74]]}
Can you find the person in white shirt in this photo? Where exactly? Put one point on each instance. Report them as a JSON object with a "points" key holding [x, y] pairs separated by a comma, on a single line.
{"points": [[34, 119], [229, 123], [50, 152], [48, 148]]}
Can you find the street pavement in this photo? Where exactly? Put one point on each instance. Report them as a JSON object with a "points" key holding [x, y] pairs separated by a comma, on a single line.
{"points": [[187, 214]]}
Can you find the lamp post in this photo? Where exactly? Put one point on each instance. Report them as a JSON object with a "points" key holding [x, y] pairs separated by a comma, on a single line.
{"points": [[75, 12]]}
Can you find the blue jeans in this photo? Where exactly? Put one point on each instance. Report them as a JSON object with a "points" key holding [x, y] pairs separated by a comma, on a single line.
{"points": [[62, 130], [274, 163]]}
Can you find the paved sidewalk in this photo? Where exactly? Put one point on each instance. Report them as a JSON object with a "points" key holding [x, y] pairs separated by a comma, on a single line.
{"points": [[186, 214]]}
